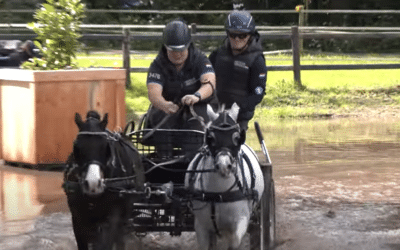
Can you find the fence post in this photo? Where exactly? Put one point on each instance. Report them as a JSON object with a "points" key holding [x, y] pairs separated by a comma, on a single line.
{"points": [[193, 28], [126, 56], [302, 18], [296, 56]]}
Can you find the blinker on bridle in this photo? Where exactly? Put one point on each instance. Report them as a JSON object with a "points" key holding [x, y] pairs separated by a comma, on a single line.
{"points": [[225, 125], [108, 136]]}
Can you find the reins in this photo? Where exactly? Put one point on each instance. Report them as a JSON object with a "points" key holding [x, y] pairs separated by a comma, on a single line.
{"points": [[194, 114], [162, 122], [122, 181]]}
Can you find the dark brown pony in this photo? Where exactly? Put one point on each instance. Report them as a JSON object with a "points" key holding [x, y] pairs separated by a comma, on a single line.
{"points": [[101, 165]]}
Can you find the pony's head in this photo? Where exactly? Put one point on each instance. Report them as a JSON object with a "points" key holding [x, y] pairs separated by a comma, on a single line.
{"points": [[224, 138], [91, 152]]}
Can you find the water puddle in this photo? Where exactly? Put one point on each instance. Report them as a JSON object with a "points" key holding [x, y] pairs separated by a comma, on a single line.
{"points": [[336, 178]]}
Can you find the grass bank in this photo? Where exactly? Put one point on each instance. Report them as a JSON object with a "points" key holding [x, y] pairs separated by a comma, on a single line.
{"points": [[328, 92]]}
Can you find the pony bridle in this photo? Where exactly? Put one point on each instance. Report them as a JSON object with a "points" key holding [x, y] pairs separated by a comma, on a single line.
{"points": [[225, 158], [226, 163], [93, 183]]}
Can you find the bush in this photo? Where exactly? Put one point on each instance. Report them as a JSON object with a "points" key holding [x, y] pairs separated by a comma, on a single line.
{"points": [[58, 28]]}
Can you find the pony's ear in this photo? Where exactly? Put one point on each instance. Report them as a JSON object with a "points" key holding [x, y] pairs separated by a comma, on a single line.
{"points": [[221, 108], [104, 122], [78, 120], [211, 114], [209, 138], [234, 111]]}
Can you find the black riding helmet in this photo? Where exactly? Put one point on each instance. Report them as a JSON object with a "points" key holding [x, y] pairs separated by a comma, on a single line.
{"points": [[176, 36], [240, 21]]}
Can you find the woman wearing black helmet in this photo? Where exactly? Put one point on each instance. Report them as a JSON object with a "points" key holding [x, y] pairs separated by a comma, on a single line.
{"points": [[180, 75], [240, 66]]}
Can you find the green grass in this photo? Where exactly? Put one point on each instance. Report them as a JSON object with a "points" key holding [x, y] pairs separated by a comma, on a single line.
{"points": [[350, 79], [325, 92]]}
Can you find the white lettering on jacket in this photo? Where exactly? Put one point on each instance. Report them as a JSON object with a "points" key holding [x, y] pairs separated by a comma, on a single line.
{"points": [[240, 64], [155, 75]]}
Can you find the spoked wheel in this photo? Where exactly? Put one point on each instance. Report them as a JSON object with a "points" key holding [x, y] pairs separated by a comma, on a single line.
{"points": [[267, 220], [262, 229]]}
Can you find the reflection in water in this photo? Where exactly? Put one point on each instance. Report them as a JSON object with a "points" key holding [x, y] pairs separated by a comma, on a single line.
{"points": [[26, 194], [335, 160], [20, 196], [283, 134]]}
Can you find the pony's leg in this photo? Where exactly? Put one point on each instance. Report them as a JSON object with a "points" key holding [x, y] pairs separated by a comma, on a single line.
{"points": [[81, 233], [115, 231], [205, 239], [213, 241], [120, 244], [236, 238]]}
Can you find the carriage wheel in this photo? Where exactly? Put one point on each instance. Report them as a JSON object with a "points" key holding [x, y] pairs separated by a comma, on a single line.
{"points": [[142, 120], [268, 217], [262, 233]]}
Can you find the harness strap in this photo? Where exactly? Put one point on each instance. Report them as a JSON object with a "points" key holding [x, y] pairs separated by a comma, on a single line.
{"points": [[74, 186], [252, 174], [195, 163], [71, 186], [231, 196], [241, 165], [214, 220], [120, 183]]}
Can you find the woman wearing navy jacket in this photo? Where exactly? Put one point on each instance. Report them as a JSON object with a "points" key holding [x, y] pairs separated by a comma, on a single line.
{"points": [[239, 66]]}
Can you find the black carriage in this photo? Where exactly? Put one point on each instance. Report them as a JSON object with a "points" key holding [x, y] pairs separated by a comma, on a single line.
{"points": [[163, 204]]}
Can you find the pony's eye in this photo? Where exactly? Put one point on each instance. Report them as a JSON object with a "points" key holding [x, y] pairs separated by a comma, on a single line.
{"points": [[236, 138]]}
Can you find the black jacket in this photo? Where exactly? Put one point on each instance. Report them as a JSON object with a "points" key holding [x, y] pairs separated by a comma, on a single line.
{"points": [[240, 78], [178, 84]]}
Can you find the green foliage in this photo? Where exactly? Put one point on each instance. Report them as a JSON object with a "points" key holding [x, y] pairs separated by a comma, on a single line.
{"points": [[283, 99], [58, 29], [136, 97]]}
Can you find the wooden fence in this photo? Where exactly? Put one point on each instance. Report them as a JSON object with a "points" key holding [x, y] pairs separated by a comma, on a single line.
{"points": [[295, 34], [182, 12]]}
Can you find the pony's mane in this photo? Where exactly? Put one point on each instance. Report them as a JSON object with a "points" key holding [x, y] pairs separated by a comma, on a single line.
{"points": [[92, 123]]}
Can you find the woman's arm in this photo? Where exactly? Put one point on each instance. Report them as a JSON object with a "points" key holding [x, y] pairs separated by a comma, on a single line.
{"points": [[158, 101]]}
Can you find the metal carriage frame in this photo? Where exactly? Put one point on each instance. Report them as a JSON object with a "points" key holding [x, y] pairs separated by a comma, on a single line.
{"points": [[165, 206]]}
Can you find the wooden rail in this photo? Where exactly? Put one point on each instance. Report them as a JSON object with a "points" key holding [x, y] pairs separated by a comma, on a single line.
{"points": [[174, 12], [294, 34]]}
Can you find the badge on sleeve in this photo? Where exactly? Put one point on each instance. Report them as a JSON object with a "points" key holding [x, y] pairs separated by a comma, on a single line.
{"points": [[259, 90]]}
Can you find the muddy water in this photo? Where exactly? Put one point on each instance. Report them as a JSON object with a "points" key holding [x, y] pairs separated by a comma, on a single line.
{"points": [[337, 187]]}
